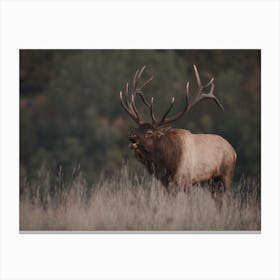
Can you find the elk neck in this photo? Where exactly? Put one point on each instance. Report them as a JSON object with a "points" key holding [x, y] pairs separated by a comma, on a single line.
{"points": [[164, 160]]}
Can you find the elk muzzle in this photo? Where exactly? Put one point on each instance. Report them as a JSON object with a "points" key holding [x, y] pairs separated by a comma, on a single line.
{"points": [[132, 137]]}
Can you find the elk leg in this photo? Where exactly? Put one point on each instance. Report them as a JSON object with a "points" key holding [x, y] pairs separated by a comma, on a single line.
{"points": [[217, 190], [173, 189], [227, 178], [218, 200], [228, 173]]}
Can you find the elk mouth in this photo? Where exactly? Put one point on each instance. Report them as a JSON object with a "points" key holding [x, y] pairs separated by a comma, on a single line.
{"points": [[133, 145], [138, 149]]}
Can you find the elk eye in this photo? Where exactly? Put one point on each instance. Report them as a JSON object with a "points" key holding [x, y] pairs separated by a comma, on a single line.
{"points": [[149, 133]]}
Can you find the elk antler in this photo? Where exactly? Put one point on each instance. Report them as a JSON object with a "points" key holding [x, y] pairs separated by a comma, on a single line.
{"points": [[130, 107], [195, 98]]}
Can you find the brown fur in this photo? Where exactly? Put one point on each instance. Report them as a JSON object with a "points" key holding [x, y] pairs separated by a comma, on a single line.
{"points": [[179, 157]]}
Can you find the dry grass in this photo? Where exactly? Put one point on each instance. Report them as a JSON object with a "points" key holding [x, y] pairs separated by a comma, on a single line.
{"points": [[130, 203]]}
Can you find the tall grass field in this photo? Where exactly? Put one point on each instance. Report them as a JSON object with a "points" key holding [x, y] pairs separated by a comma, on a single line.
{"points": [[126, 202]]}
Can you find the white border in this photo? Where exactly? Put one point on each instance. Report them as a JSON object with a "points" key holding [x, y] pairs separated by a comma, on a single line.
{"points": [[158, 24]]}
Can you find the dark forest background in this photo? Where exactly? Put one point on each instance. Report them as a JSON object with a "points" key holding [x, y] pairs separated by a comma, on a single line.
{"points": [[70, 115]]}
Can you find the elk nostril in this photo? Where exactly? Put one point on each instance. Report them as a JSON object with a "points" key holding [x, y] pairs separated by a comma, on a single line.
{"points": [[131, 134]]}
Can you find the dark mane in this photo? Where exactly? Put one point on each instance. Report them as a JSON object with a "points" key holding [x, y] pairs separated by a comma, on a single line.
{"points": [[164, 160]]}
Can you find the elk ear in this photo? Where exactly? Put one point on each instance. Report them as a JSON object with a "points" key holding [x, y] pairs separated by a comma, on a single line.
{"points": [[162, 131]]}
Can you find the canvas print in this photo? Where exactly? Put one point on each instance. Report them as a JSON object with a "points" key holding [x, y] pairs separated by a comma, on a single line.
{"points": [[140, 140]]}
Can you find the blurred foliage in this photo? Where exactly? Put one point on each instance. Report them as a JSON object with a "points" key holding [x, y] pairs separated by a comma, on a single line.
{"points": [[70, 114]]}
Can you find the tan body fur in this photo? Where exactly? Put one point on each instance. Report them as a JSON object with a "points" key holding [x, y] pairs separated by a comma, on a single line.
{"points": [[203, 157]]}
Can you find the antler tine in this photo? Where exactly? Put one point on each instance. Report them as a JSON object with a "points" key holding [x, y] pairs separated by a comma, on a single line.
{"points": [[211, 95], [154, 119], [144, 84], [130, 107], [199, 95], [141, 71], [178, 115], [162, 121], [171, 119], [138, 90], [199, 81], [139, 117], [187, 89], [126, 95], [127, 109], [136, 78], [140, 93], [197, 77]]}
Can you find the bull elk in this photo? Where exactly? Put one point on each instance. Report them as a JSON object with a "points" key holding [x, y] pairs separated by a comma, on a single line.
{"points": [[177, 157]]}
